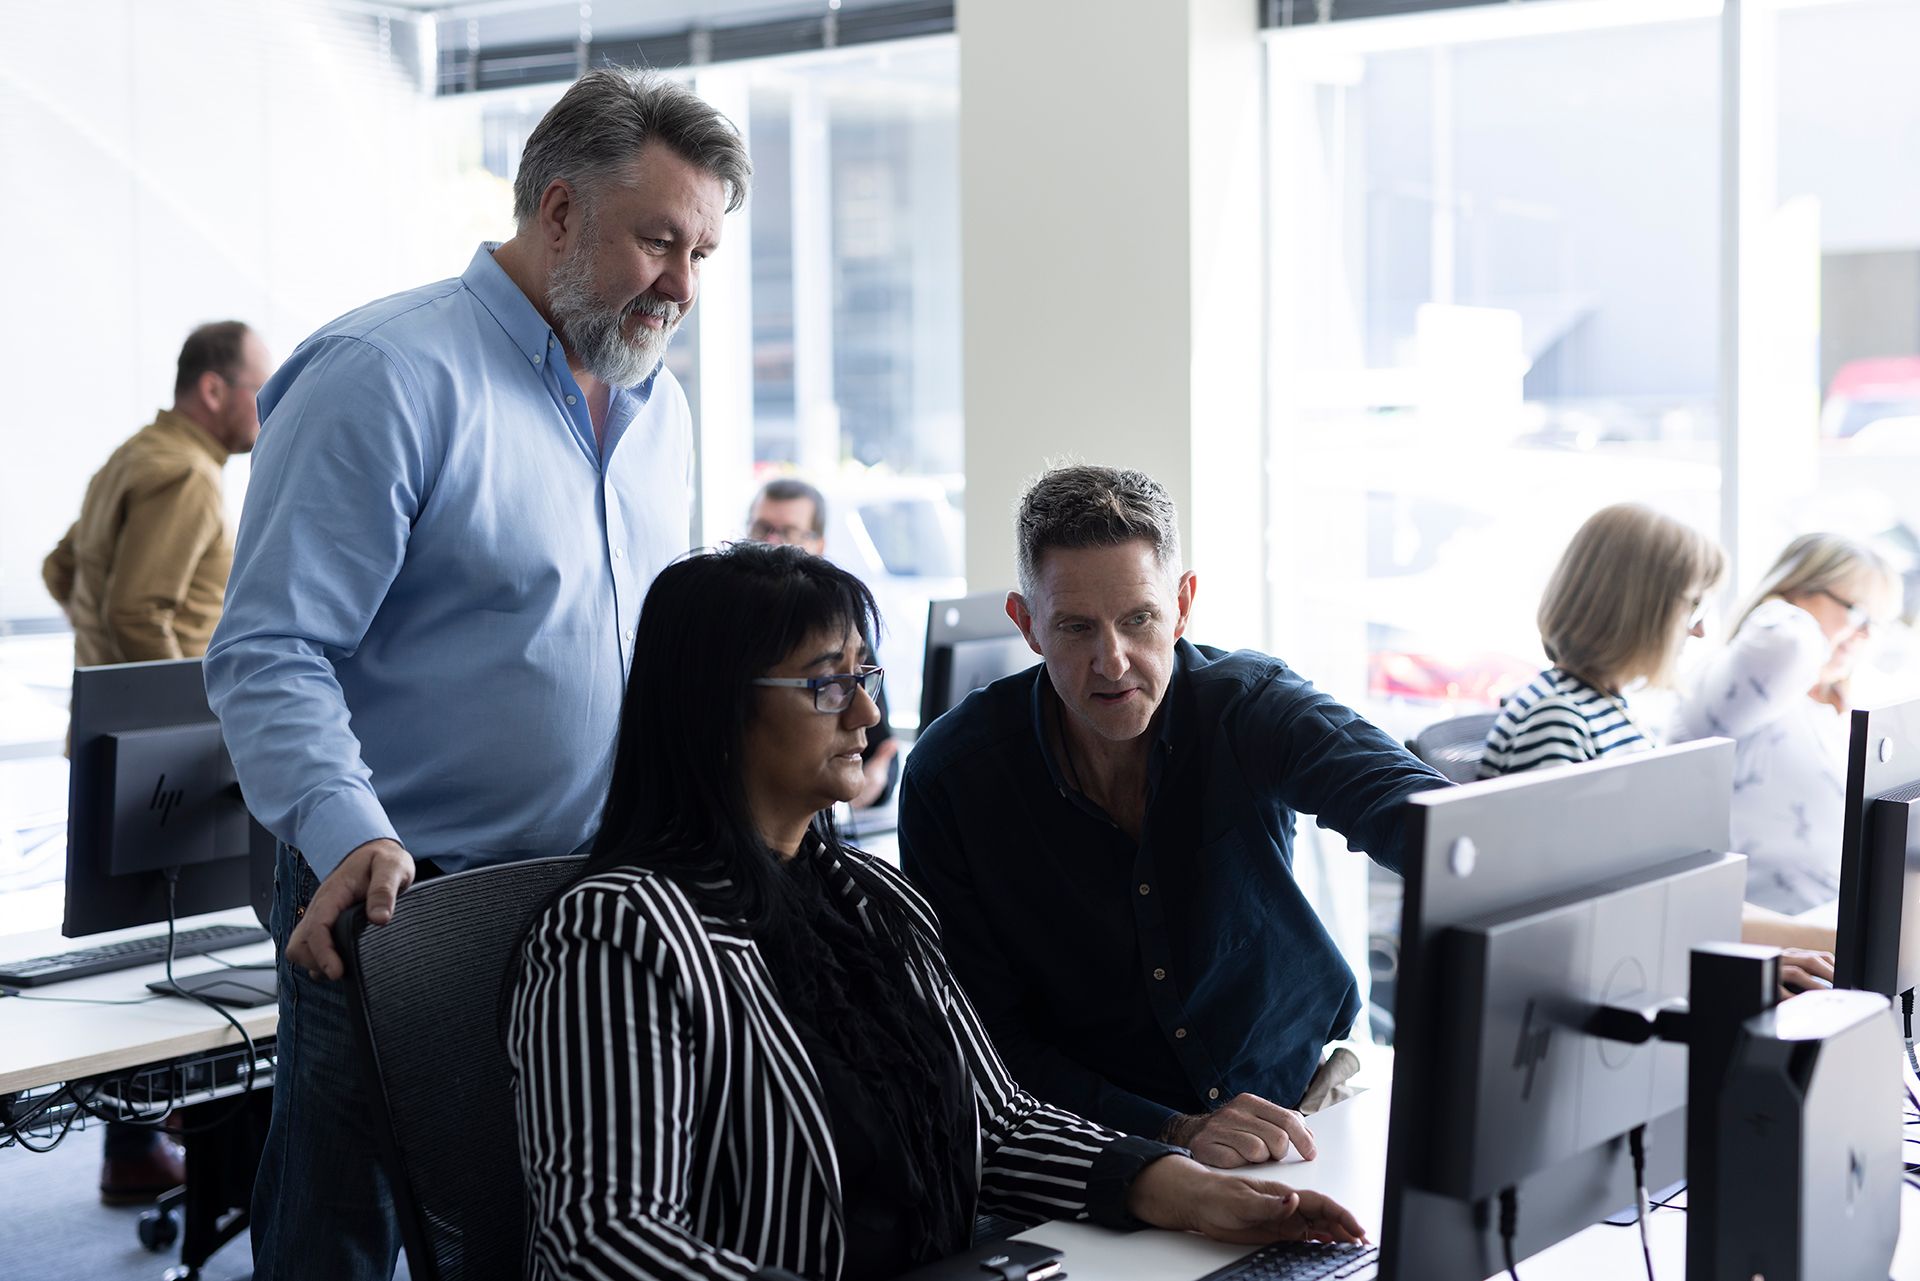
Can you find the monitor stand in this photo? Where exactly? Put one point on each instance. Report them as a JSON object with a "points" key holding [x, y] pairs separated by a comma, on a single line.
{"points": [[233, 986]]}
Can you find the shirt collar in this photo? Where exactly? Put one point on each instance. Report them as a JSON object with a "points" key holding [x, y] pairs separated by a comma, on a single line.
{"points": [[509, 305], [186, 429]]}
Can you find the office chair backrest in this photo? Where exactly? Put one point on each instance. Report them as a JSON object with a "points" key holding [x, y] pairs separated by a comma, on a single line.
{"points": [[425, 990], [1454, 746]]}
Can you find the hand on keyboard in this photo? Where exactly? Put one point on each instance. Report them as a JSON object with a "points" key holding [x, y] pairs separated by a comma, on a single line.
{"points": [[1177, 1193]]}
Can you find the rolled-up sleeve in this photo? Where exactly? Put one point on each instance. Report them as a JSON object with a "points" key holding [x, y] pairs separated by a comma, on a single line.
{"points": [[1327, 760], [339, 476]]}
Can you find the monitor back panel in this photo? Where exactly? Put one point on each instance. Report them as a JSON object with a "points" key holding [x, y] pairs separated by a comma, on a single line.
{"points": [[1878, 949], [970, 644], [1499, 850], [114, 709]]}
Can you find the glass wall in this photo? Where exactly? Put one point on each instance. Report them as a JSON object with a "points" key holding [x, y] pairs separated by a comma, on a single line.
{"points": [[1494, 266], [1508, 288]]}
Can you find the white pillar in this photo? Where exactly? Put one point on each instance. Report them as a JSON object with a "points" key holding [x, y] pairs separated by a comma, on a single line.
{"points": [[1112, 274], [724, 462]]}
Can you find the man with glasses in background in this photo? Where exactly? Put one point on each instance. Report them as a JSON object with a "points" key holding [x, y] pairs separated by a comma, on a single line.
{"points": [[141, 576], [789, 510]]}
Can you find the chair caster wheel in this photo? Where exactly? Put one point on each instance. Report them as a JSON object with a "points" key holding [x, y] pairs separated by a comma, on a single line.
{"points": [[158, 1229]]}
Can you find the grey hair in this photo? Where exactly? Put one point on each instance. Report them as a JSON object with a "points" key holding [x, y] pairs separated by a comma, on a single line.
{"points": [[606, 117], [1087, 506]]}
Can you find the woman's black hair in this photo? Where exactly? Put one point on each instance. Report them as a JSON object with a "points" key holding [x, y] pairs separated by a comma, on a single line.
{"points": [[711, 623]]}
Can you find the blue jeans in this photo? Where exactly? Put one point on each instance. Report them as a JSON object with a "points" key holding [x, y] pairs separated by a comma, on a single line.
{"points": [[322, 1206]]}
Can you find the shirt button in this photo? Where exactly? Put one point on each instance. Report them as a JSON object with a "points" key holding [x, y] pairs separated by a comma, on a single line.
{"points": [[1179, 1034], [619, 553], [536, 360], [570, 400], [629, 635], [1159, 973], [1214, 1093], [1145, 890]]}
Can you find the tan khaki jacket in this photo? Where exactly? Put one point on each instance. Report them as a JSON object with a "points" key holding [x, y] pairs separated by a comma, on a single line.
{"points": [[143, 572]]}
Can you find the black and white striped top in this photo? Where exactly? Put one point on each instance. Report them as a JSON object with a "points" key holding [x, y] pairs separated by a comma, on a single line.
{"points": [[1558, 720], [671, 1125]]}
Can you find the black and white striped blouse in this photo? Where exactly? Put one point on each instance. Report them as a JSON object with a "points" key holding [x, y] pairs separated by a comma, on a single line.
{"points": [[1559, 719], [671, 1125]]}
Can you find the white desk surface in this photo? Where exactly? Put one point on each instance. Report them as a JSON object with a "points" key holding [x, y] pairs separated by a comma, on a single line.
{"points": [[1352, 1138], [46, 1042]]}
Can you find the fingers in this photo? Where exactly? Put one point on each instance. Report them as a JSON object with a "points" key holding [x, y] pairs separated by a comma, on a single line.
{"points": [[1298, 1134], [1279, 1129], [310, 946], [1325, 1219], [392, 872], [1817, 964], [1227, 1149]]}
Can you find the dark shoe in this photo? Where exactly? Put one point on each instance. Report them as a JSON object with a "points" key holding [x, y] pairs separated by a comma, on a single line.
{"points": [[137, 1179]]}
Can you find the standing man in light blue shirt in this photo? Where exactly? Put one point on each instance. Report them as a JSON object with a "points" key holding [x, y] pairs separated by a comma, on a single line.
{"points": [[459, 498]]}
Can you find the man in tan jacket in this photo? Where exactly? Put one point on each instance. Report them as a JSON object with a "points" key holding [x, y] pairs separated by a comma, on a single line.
{"points": [[143, 572], [142, 575]]}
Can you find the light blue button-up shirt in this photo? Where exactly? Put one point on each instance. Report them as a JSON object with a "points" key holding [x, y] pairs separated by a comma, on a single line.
{"points": [[437, 578]]}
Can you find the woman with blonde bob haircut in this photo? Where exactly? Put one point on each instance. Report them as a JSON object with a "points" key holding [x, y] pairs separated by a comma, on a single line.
{"points": [[1779, 690], [1626, 594]]}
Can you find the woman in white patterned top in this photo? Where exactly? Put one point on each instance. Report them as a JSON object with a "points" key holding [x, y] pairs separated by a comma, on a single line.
{"points": [[1626, 594], [1779, 690]]}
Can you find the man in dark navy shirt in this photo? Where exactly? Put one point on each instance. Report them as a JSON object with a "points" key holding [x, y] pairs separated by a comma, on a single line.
{"points": [[1108, 840]]}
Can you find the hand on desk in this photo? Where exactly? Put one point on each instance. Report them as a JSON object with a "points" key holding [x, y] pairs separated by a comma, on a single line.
{"points": [[1184, 1195], [374, 874], [1247, 1130], [1803, 971]]}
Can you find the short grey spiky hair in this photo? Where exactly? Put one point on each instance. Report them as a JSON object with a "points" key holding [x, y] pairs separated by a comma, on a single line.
{"points": [[1087, 506], [601, 123]]}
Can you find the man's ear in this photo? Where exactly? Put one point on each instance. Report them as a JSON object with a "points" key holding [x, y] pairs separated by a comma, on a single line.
{"points": [[1188, 589], [560, 217], [1023, 619], [213, 390]]}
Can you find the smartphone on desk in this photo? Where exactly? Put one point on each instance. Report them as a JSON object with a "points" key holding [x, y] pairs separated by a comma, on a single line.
{"points": [[995, 1261]]}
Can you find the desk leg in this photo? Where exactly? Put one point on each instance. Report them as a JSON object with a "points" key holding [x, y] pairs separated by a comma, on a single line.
{"points": [[221, 1164]]}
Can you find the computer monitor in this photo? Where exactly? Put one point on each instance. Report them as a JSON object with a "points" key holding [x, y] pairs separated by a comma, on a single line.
{"points": [[151, 789], [971, 643], [1877, 944], [1530, 900]]}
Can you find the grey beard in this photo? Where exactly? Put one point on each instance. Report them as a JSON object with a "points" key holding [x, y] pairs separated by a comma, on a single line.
{"points": [[593, 331]]}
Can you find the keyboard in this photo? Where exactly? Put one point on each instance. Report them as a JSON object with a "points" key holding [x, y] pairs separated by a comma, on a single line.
{"points": [[126, 954], [1303, 1261]]}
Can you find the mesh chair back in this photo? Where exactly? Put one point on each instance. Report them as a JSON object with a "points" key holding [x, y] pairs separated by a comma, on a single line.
{"points": [[1454, 746], [426, 996]]}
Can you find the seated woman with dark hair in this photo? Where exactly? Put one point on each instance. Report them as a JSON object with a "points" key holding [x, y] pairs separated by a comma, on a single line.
{"points": [[737, 1046]]}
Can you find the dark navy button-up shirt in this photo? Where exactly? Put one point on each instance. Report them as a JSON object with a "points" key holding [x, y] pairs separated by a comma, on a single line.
{"points": [[1130, 981]]}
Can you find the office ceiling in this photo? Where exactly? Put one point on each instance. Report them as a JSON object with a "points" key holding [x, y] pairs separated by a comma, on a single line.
{"points": [[535, 22]]}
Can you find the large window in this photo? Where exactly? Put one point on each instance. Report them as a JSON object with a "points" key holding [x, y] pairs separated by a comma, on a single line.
{"points": [[1530, 260], [1495, 310]]}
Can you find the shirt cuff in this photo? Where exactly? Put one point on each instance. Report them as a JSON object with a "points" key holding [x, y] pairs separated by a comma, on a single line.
{"points": [[1132, 1114], [1112, 1176], [340, 825]]}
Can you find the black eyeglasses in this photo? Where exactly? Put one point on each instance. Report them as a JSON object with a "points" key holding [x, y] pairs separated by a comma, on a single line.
{"points": [[764, 532], [1857, 616], [832, 693]]}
